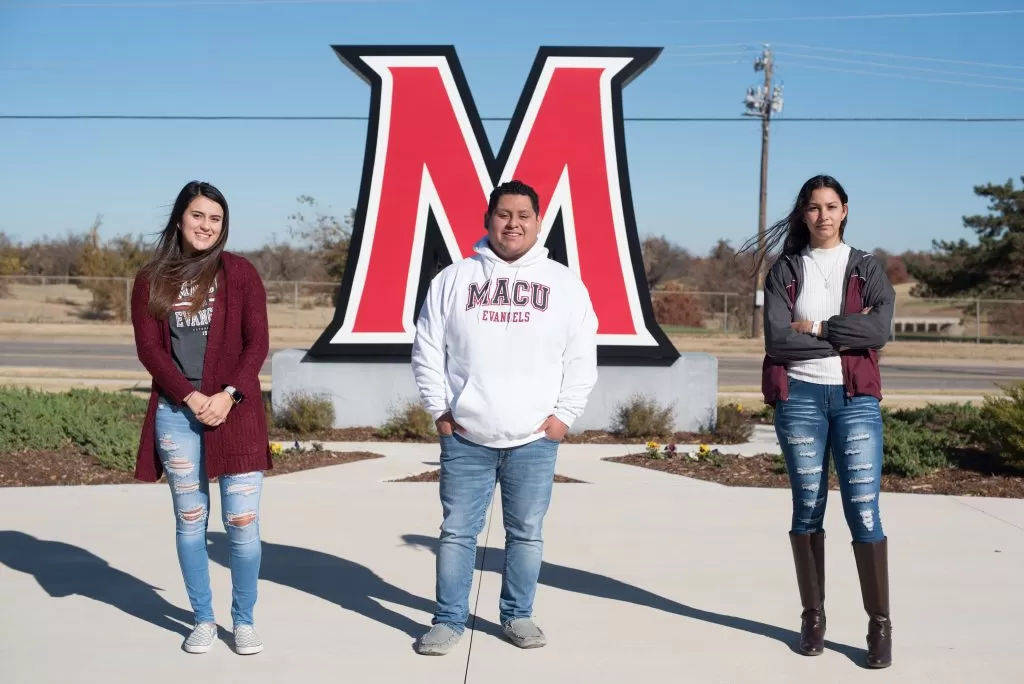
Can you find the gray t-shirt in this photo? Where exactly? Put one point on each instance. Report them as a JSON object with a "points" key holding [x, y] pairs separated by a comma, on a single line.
{"points": [[188, 333]]}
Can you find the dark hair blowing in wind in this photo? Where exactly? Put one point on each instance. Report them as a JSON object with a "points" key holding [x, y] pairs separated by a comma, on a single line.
{"points": [[169, 267], [792, 231]]}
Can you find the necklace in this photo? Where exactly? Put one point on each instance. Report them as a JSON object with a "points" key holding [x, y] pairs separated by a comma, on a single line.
{"points": [[826, 277]]}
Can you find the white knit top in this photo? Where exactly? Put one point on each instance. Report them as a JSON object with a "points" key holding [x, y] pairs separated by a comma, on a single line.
{"points": [[821, 297]]}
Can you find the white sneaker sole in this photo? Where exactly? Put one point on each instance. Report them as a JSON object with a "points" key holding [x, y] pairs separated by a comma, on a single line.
{"points": [[248, 650]]}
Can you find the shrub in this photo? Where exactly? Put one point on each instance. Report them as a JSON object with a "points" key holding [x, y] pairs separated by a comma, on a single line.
{"points": [[640, 417], [955, 421], [677, 308], [409, 421], [306, 413], [910, 450], [731, 427], [1000, 427], [102, 424]]}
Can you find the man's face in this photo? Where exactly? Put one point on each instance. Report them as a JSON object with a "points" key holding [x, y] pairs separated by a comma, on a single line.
{"points": [[513, 228]]}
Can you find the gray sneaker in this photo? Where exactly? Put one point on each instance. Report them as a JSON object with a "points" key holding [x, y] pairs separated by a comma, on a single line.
{"points": [[438, 641], [201, 639], [247, 642], [524, 633]]}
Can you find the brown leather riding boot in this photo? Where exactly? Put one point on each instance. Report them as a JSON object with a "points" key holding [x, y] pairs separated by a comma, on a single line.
{"points": [[809, 559], [873, 569]]}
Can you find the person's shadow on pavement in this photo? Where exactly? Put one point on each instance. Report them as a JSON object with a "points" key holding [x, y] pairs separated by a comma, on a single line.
{"points": [[65, 570], [343, 582], [491, 559]]}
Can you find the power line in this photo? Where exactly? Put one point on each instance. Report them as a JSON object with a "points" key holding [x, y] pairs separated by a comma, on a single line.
{"points": [[1012, 79], [638, 119], [847, 17], [905, 77], [965, 62]]}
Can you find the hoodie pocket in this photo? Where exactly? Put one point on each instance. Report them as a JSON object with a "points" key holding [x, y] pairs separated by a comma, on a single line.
{"points": [[505, 407]]}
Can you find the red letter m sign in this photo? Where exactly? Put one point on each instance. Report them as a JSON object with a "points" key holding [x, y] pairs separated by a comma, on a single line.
{"points": [[428, 171]]}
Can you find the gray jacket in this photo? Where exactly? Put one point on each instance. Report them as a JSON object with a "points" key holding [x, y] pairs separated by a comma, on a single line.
{"points": [[866, 285]]}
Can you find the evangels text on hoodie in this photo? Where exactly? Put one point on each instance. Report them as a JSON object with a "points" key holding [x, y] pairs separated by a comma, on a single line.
{"points": [[505, 345]]}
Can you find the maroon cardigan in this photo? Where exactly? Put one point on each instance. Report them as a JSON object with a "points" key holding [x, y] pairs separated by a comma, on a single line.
{"points": [[236, 347]]}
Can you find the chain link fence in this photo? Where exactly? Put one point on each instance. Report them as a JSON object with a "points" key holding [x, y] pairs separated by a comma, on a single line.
{"points": [[310, 305]]}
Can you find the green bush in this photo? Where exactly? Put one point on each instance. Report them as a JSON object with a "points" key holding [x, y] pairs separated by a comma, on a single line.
{"points": [[305, 413], [640, 417], [910, 450], [102, 424], [409, 421], [1000, 428], [955, 421]]}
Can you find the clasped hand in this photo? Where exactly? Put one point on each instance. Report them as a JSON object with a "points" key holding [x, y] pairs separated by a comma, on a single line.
{"points": [[211, 411]]}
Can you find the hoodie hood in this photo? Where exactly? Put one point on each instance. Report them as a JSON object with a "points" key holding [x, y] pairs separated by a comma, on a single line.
{"points": [[535, 254]]}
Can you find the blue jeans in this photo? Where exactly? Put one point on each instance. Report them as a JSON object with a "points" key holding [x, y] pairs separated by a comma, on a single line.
{"points": [[180, 446], [818, 419], [468, 476]]}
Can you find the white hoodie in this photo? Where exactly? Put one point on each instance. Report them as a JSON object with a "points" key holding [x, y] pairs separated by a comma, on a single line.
{"points": [[505, 345]]}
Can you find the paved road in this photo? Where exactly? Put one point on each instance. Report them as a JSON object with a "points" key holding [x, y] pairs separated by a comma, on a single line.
{"points": [[732, 371]]}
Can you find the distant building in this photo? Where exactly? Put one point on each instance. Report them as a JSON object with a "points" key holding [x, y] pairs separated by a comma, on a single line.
{"points": [[950, 326]]}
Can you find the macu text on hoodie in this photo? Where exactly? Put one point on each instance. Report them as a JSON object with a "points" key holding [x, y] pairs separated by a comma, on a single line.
{"points": [[505, 345]]}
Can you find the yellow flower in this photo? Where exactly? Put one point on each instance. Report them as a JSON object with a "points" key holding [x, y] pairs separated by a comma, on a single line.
{"points": [[653, 445], [275, 448], [739, 407], [703, 449]]}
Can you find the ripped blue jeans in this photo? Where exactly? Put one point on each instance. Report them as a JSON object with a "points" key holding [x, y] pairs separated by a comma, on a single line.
{"points": [[820, 419], [179, 438]]}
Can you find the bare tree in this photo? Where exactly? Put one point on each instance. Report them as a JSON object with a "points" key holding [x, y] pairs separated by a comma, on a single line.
{"points": [[663, 260]]}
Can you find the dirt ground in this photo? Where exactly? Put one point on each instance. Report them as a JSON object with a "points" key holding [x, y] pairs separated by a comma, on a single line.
{"points": [[765, 471], [71, 467]]}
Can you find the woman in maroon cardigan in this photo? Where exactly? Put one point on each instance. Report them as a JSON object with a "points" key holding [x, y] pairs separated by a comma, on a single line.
{"points": [[200, 320]]}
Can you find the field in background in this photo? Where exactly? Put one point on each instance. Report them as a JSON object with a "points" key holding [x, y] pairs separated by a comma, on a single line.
{"points": [[298, 313]]}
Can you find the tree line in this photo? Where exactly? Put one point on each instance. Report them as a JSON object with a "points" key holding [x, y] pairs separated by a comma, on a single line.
{"points": [[316, 249]]}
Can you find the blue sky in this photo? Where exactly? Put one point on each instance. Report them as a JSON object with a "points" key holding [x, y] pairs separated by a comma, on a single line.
{"points": [[692, 182]]}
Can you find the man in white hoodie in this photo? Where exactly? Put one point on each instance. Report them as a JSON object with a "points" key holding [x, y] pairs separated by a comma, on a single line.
{"points": [[505, 358]]}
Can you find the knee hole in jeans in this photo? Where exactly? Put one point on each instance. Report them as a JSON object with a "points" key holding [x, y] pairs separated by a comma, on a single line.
{"points": [[240, 519], [193, 516]]}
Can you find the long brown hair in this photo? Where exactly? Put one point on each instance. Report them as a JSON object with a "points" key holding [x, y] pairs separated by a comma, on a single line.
{"points": [[792, 231], [170, 268]]}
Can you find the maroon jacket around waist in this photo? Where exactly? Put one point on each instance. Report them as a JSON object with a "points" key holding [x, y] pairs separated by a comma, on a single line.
{"points": [[855, 337], [236, 348]]}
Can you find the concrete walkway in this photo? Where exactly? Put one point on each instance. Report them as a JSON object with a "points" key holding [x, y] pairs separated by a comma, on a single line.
{"points": [[649, 577]]}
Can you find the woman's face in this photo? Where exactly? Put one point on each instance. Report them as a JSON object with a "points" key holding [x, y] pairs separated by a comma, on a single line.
{"points": [[823, 215], [201, 225]]}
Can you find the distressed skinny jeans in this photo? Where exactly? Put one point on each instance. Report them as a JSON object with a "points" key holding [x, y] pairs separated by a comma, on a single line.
{"points": [[179, 437], [820, 419]]}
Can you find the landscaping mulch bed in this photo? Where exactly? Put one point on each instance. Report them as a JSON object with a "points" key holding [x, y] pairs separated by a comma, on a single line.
{"points": [[766, 471], [369, 434], [435, 476], [33, 468]]}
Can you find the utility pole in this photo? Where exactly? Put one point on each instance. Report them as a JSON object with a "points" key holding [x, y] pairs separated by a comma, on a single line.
{"points": [[761, 102]]}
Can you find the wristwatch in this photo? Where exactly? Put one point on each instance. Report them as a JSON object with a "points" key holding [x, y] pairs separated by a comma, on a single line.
{"points": [[235, 395]]}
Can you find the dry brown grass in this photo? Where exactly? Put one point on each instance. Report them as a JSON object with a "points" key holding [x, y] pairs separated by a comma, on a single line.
{"points": [[51, 313]]}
